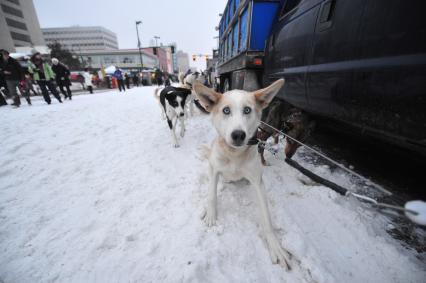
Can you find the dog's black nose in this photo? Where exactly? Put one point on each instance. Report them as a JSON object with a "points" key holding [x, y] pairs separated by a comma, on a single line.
{"points": [[238, 137], [181, 114]]}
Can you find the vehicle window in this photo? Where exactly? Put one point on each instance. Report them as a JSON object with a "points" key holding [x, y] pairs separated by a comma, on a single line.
{"points": [[288, 6]]}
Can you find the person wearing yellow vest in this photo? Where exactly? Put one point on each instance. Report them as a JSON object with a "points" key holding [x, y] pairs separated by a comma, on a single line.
{"points": [[44, 76]]}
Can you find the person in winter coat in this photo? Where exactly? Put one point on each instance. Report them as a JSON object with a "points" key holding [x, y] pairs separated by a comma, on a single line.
{"points": [[44, 76], [13, 74], [135, 79], [25, 86], [127, 80], [159, 77], [2, 98], [2, 83], [118, 74], [108, 81], [88, 80], [30, 82], [167, 81], [62, 75]]}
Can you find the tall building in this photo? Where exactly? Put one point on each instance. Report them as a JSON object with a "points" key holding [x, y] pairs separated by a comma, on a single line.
{"points": [[182, 59], [79, 38], [19, 25]]}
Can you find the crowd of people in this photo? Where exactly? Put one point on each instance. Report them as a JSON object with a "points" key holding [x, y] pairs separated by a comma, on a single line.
{"points": [[20, 79], [14, 77]]}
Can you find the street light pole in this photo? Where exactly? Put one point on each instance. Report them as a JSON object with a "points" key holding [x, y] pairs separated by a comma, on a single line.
{"points": [[139, 45], [156, 40]]}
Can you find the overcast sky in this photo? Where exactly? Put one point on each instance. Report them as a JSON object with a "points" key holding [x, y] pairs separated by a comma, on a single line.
{"points": [[189, 23]]}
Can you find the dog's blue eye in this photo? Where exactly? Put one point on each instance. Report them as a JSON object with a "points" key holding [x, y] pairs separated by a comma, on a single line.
{"points": [[226, 111], [247, 110]]}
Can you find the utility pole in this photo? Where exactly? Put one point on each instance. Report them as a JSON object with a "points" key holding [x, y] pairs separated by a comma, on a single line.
{"points": [[139, 45], [156, 40]]}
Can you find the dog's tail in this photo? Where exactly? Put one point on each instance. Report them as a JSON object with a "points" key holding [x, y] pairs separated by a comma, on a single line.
{"points": [[157, 93], [205, 151]]}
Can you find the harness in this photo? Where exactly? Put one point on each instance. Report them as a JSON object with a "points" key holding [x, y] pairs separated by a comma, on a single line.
{"points": [[253, 140]]}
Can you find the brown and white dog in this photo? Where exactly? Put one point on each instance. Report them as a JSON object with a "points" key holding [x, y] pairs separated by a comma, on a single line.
{"points": [[291, 120], [187, 81], [236, 117]]}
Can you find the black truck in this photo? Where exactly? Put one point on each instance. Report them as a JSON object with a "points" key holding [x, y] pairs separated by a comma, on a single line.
{"points": [[361, 63]]}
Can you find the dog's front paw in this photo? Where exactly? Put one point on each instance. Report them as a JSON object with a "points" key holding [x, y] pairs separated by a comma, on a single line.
{"points": [[278, 254], [209, 216]]}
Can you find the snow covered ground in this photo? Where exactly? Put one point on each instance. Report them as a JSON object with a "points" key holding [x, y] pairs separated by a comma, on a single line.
{"points": [[93, 191]]}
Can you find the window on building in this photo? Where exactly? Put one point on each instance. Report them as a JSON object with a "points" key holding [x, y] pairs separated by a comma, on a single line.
{"points": [[14, 1], [16, 24], [20, 36], [12, 11]]}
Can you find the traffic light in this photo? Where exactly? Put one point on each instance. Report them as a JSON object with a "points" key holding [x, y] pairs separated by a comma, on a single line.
{"points": [[207, 57], [194, 57], [154, 50], [172, 49]]}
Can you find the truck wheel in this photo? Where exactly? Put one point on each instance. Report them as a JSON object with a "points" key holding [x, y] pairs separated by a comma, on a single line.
{"points": [[226, 85]]}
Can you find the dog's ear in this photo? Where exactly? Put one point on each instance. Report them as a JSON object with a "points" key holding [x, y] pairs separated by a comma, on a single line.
{"points": [[207, 96], [265, 95]]}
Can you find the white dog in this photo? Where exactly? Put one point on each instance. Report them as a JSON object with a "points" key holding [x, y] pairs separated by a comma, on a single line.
{"points": [[236, 117]]}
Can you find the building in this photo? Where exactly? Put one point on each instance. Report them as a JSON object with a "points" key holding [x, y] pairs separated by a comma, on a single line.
{"points": [[19, 25], [127, 59], [182, 59], [82, 38], [164, 55]]}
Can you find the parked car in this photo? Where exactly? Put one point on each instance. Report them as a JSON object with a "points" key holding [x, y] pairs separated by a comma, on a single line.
{"points": [[76, 77]]}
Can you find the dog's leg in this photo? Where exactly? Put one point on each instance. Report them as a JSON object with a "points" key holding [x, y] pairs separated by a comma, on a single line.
{"points": [[277, 253], [209, 215], [182, 127], [172, 130], [191, 105], [163, 114]]}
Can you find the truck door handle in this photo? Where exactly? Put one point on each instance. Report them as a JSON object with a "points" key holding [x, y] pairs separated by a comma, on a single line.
{"points": [[326, 15]]}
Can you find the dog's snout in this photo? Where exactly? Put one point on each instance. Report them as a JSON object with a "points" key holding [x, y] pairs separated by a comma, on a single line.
{"points": [[238, 137], [181, 114]]}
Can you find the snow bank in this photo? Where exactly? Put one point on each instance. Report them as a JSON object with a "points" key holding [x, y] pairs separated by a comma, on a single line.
{"points": [[93, 191]]}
